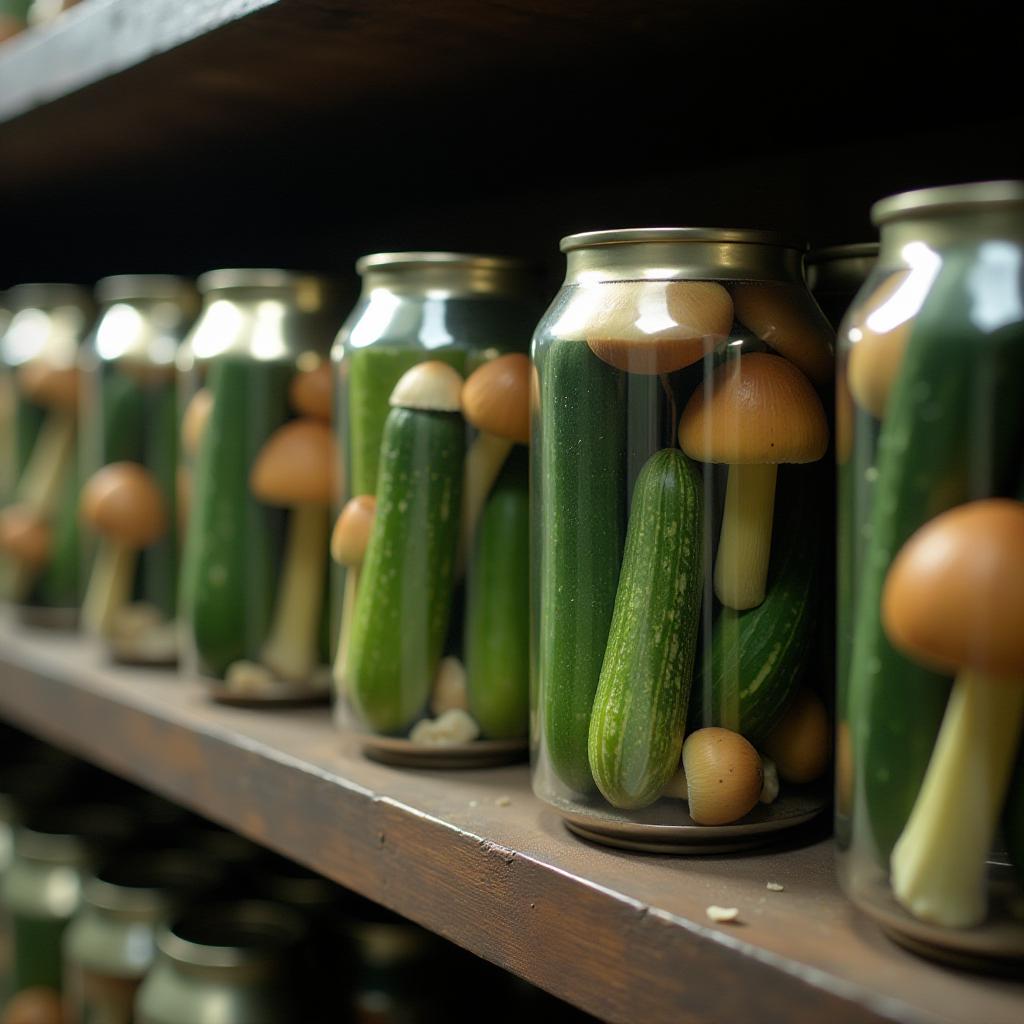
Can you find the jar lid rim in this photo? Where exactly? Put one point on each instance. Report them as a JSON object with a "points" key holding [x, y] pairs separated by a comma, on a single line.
{"points": [[125, 287], [622, 236], [849, 251], [478, 261], [251, 277], [946, 199]]}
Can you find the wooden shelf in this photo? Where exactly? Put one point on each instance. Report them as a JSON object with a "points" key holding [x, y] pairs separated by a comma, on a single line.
{"points": [[473, 856]]}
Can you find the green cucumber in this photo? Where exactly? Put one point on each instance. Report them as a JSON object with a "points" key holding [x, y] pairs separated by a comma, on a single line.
{"points": [[639, 713], [956, 398], [757, 656], [28, 421], [582, 453], [497, 630], [158, 563], [233, 541], [405, 585]]}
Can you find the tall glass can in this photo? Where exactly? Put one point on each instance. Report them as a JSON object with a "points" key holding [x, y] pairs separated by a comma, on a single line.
{"points": [[39, 534], [110, 944], [225, 964], [129, 429], [835, 275], [255, 485], [433, 533], [679, 503], [930, 762]]}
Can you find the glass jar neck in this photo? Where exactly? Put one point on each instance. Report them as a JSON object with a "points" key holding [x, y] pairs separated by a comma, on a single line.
{"points": [[945, 228], [444, 281], [705, 260]]}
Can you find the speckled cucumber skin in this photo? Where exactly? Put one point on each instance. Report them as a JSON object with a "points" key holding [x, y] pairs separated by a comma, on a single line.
{"points": [[639, 713], [758, 655], [405, 587]]}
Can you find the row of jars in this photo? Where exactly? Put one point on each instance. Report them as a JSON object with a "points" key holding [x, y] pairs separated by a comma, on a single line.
{"points": [[119, 907], [659, 475]]}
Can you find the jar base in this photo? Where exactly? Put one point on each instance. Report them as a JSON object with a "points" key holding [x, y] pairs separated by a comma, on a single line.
{"points": [[671, 830], [402, 753]]}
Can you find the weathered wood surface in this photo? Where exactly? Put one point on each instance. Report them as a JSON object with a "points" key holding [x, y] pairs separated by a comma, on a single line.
{"points": [[623, 936]]}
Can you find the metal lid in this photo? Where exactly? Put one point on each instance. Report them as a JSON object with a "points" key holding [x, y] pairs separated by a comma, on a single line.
{"points": [[245, 934], [126, 287], [73, 834], [947, 199], [143, 884], [45, 295], [624, 236], [397, 260], [853, 251]]}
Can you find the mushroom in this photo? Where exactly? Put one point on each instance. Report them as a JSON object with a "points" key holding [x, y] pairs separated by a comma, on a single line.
{"points": [[56, 389], [799, 744], [122, 502], [293, 470], [723, 776], [790, 321], [954, 601], [755, 412], [655, 327], [496, 401], [26, 538], [311, 392], [349, 540]]}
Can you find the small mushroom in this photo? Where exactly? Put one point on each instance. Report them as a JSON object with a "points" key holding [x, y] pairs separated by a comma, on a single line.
{"points": [[122, 503], [496, 401], [311, 392], [26, 539], [56, 389], [954, 601], [799, 744], [293, 470], [654, 327], [35, 1005], [754, 413], [194, 421], [723, 775], [432, 385], [790, 321], [349, 541]]}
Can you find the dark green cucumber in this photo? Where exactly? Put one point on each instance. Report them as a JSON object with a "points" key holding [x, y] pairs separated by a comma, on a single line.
{"points": [[28, 421], [952, 433], [582, 453], [405, 585], [497, 630], [757, 656], [233, 541], [158, 563], [639, 713]]}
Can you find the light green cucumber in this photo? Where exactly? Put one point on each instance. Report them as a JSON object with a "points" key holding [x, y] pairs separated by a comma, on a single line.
{"points": [[497, 629], [757, 656], [580, 532], [405, 585], [639, 713]]}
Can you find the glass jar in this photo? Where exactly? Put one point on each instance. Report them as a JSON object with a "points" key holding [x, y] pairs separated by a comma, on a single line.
{"points": [[675, 591], [225, 964], [129, 428], [255, 486], [55, 851], [929, 803], [433, 534], [835, 275], [111, 942], [39, 525]]}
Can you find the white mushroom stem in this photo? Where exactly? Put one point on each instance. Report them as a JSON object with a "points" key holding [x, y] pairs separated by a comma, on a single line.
{"points": [[110, 586], [745, 544], [290, 649], [348, 607], [40, 484], [938, 865], [486, 456]]}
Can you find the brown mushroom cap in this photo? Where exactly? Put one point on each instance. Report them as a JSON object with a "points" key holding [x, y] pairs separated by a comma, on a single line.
{"points": [[311, 392], [756, 409], [790, 321], [954, 596], [649, 327], [193, 422], [723, 775], [432, 386], [295, 466], [496, 398], [352, 530], [45, 384], [24, 535], [799, 744], [36, 1005], [123, 502]]}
